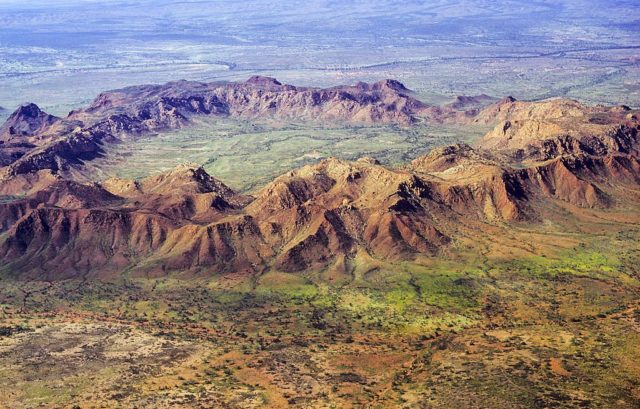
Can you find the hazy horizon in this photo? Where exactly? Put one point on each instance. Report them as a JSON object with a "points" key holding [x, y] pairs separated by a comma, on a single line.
{"points": [[61, 55]]}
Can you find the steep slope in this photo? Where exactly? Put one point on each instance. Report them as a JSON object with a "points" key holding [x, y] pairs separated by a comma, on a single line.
{"points": [[335, 207], [25, 128], [302, 220], [58, 156], [513, 193], [186, 192], [573, 152], [69, 229], [32, 140], [60, 194]]}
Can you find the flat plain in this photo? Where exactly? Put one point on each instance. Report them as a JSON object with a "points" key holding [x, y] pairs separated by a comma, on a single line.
{"points": [[555, 328], [248, 155]]}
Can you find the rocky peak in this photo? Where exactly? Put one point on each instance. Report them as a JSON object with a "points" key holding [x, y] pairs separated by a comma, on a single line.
{"points": [[185, 178], [383, 85], [466, 101], [27, 120], [263, 81], [368, 160], [458, 150], [448, 157], [391, 84], [29, 110]]}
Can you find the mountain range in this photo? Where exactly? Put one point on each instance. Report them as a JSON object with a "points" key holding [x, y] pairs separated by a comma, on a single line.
{"points": [[542, 162]]}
